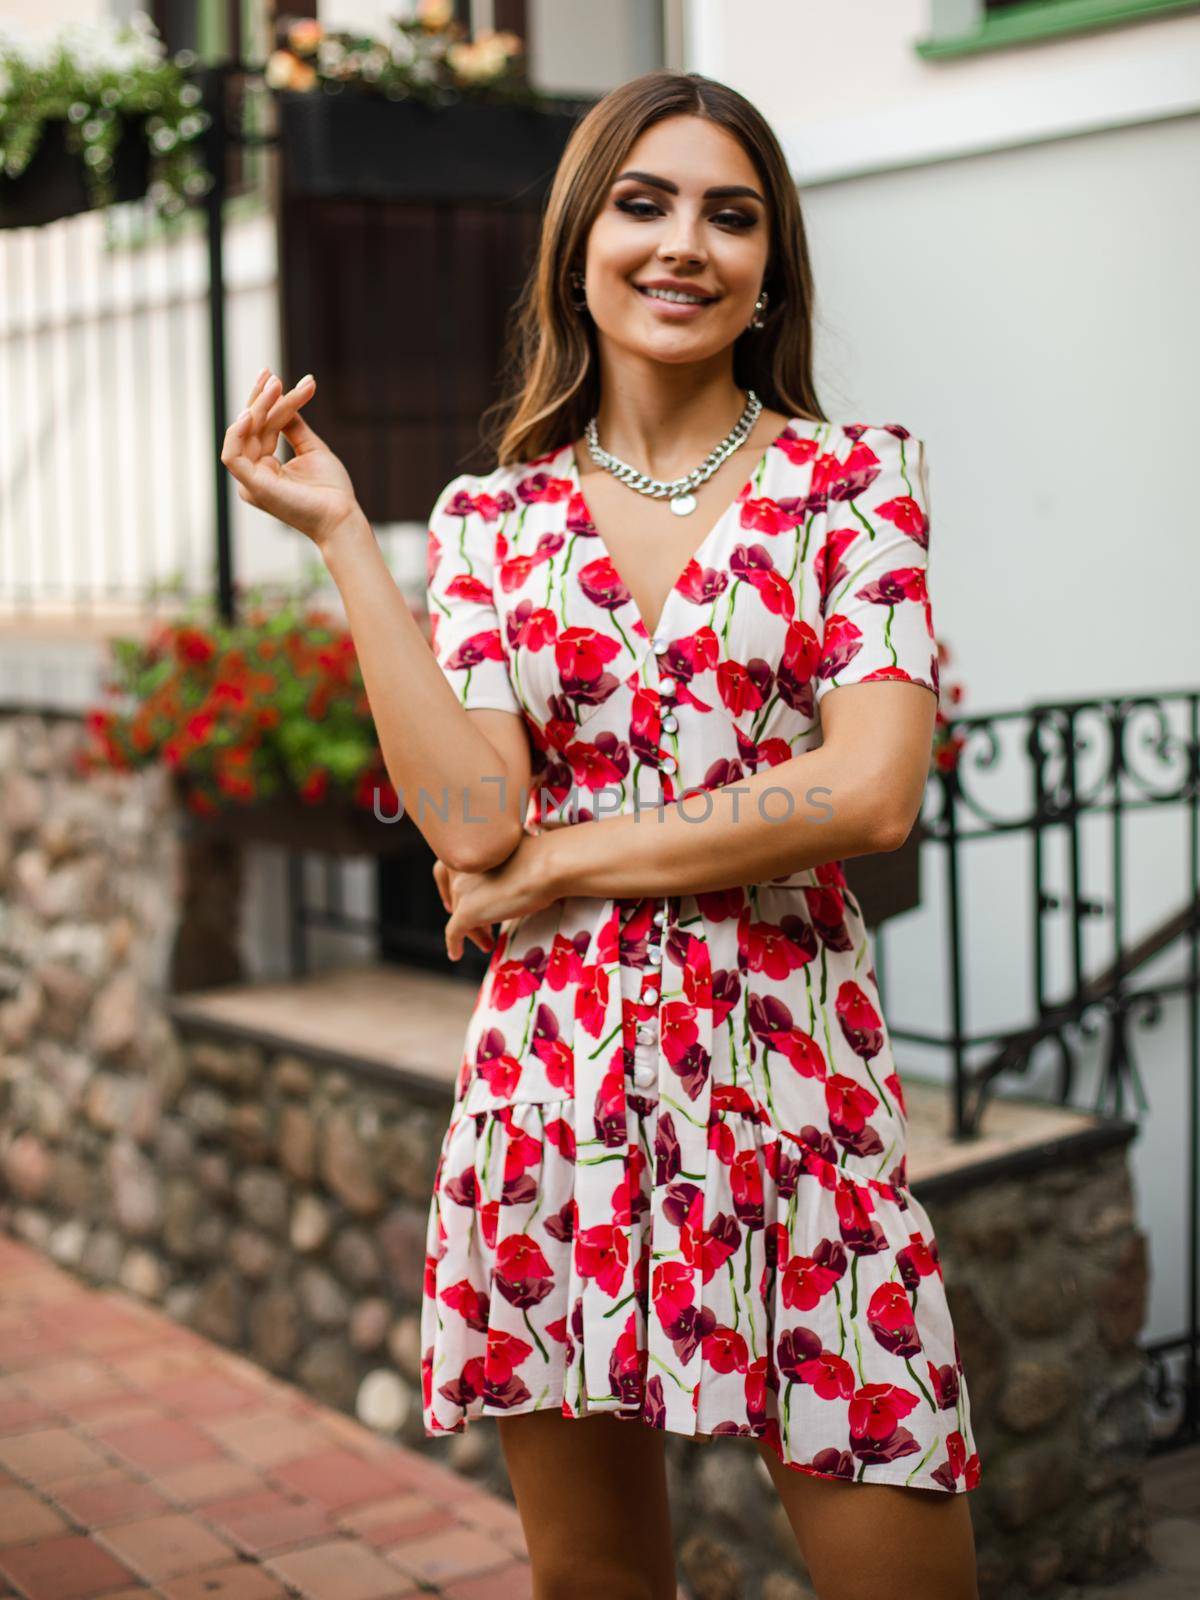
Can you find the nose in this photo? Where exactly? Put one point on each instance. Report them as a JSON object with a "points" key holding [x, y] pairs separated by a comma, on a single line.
{"points": [[683, 242]]}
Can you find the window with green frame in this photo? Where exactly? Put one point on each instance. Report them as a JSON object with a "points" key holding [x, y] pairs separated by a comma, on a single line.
{"points": [[963, 27]]}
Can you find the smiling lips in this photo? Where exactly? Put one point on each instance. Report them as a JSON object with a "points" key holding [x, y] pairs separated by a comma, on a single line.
{"points": [[677, 302]]}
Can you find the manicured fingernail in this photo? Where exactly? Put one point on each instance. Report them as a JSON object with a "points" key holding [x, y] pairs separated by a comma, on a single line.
{"points": [[307, 378]]}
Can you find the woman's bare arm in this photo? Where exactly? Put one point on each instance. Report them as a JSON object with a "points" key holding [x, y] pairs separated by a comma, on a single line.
{"points": [[859, 793], [462, 775]]}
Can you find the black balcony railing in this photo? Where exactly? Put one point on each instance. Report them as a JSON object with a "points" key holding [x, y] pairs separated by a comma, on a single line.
{"points": [[1090, 813]]}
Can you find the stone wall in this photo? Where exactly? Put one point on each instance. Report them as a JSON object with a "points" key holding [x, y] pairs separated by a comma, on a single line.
{"points": [[277, 1201]]}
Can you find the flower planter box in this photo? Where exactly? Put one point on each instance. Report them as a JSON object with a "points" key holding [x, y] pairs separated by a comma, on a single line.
{"points": [[332, 827], [53, 185], [366, 146], [887, 884]]}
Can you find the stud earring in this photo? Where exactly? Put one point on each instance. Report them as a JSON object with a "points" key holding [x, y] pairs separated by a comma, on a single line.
{"points": [[579, 298], [760, 305]]}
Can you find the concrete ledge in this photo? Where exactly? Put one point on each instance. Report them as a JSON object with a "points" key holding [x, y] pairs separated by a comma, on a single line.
{"points": [[386, 1022], [393, 1023]]}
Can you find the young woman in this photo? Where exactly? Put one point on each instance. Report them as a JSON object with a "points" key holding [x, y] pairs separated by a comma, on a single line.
{"points": [[689, 611]]}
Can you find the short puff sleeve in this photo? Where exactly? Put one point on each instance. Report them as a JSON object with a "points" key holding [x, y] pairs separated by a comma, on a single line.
{"points": [[874, 565], [464, 626]]}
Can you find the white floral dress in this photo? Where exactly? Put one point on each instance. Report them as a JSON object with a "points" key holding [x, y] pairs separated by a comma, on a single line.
{"points": [[673, 1184]]}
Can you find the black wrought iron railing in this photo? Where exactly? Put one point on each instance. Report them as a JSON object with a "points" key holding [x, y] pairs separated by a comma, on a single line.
{"points": [[1094, 905]]}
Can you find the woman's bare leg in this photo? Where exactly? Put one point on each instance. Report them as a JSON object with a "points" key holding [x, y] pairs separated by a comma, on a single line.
{"points": [[592, 1496], [863, 1540]]}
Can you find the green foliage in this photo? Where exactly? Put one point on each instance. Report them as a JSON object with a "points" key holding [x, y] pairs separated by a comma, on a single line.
{"points": [[99, 79], [273, 702]]}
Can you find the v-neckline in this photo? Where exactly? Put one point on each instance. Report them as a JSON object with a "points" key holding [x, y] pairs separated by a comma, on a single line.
{"points": [[700, 550]]}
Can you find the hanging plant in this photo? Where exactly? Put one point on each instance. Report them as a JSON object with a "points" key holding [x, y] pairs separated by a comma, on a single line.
{"points": [[100, 83], [429, 58]]}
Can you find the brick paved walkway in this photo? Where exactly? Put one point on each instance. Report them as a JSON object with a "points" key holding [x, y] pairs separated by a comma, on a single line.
{"points": [[138, 1459]]}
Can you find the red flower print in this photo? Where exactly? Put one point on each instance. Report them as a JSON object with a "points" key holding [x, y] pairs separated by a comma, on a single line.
{"points": [[602, 1253], [538, 629], [859, 1021], [677, 1148], [827, 470], [918, 1260], [855, 474], [678, 1031], [564, 967], [877, 1409], [561, 1135], [732, 1097], [489, 1221], [608, 1113], [827, 911], [591, 998], [741, 688], [539, 488], [779, 950], [470, 1303], [773, 589], [794, 1351], [745, 1179], [798, 449], [522, 1273], [842, 642], [472, 652], [943, 1384], [849, 1104], [890, 1318], [902, 583], [672, 1291], [701, 585], [807, 1279], [801, 1051], [725, 1350], [581, 655], [501, 1073], [801, 652], [765, 515], [505, 1353], [603, 584], [627, 1366], [907, 515]]}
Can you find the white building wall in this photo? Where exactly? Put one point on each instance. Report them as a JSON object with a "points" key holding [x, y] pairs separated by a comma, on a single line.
{"points": [[1004, 248]]}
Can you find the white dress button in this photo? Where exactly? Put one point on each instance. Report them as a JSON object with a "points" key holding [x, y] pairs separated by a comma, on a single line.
{"points": [[668, 763], [659, 918], [645, 1077], [654, 956], [645, 1033], [648, 995], [669, 724], [659, 644], [667, 688]]}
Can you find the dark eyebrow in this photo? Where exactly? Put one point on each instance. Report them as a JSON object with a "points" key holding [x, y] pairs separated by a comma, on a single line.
{"points": [[724, 191]]}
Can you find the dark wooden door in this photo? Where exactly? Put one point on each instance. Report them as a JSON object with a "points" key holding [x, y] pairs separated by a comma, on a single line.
{"points": [[400, 311]]}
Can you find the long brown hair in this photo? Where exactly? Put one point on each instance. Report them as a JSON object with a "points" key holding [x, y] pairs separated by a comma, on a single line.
{"points": [[551, 369]]}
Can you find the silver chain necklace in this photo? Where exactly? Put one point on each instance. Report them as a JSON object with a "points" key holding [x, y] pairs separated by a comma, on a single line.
{"points": [[679, 490]]}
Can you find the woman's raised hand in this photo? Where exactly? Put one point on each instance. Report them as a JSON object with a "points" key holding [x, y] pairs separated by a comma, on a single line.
{"points": [[312, 491]]}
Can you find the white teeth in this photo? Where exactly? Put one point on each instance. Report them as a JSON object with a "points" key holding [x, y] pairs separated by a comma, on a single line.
{"points": [[676, 295]]}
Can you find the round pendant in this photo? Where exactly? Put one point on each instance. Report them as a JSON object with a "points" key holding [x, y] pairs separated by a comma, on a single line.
{"points": [[682, 504]]}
